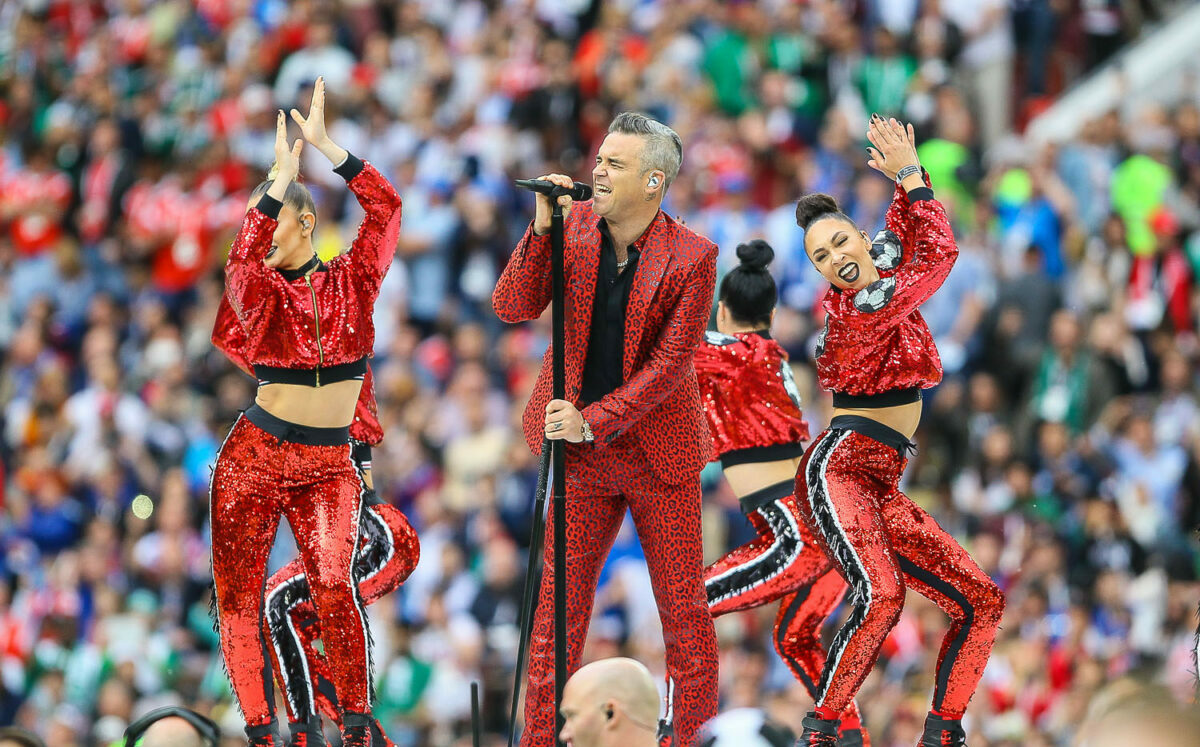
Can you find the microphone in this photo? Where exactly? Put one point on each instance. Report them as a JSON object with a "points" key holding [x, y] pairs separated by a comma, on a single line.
{"points": [[579, 191]]}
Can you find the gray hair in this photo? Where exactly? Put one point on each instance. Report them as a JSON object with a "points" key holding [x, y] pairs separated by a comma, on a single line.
{"points": [[663, 150]]}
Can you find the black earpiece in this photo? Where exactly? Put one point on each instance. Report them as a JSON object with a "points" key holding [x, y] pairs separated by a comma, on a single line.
{"points": [[608, 712]]}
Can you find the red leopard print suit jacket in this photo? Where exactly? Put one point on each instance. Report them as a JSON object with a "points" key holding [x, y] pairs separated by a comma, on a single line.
{"points": [[658, 405]]}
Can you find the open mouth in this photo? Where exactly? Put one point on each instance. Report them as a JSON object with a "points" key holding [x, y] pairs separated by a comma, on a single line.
{"points": [[271, 252], [849, 273], [602, 189]]}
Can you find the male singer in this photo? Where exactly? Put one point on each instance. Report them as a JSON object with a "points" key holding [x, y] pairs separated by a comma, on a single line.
{"points": [[638, 290]]}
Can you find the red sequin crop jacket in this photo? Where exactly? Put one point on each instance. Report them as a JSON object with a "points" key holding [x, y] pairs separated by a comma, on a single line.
{"points": [[875, 340], [750, 398], [318, 319]]}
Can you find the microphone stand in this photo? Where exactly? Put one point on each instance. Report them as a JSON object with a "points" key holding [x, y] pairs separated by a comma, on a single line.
{"points": [[552, 452]]}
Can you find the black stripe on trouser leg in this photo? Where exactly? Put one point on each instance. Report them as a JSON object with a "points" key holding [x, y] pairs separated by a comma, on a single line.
{"points": [[289, 648], [950, 592], [761, 568], [825, 516], [785, 622], [376, 544]]}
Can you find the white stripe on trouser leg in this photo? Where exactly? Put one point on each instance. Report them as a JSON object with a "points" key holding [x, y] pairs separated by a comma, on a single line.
{"points": [[670, 717], [865, 601]]}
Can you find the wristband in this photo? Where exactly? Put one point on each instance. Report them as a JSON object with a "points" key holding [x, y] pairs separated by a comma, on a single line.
{"points": [[906, 172]]}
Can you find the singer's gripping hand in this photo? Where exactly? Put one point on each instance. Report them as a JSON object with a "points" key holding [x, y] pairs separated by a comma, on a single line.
{"points": [[541, 218]]}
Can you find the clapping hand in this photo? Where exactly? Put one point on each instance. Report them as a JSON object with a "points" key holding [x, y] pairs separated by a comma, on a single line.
{"points": [[287, 160], [313, 126]]}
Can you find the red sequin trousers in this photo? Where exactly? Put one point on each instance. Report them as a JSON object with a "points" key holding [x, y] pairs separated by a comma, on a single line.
{"points": [[884, 543], [782, 563], [602, 481], [387, 553], [258, 479]]}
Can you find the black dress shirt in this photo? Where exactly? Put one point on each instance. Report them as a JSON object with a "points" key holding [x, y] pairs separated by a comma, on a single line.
{"points": [[603, 369]]}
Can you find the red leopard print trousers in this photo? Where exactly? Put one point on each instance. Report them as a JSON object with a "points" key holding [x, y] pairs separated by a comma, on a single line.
{"points": [[602, 481]]}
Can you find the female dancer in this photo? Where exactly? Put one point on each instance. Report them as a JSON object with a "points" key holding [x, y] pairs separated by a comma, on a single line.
{"points": [[876, 354], [388, 552], [307, 333], [753, 411]]}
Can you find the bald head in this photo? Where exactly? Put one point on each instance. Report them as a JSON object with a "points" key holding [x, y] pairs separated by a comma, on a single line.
{"points": [[172, 731], [623, 681]]}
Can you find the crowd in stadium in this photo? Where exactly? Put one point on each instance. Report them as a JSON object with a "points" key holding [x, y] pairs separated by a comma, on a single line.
{"points": [[1062, 449]]}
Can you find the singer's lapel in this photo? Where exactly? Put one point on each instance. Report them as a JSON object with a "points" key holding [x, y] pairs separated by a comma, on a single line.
{"points": [[584, 248], [653, 262]]}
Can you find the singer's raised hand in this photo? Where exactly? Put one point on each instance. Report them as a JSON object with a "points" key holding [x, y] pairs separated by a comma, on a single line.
{"points": [[545, 206]]}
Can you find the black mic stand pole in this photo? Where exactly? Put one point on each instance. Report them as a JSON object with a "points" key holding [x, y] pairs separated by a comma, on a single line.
{"points": [[556, 453], [559, 469]]}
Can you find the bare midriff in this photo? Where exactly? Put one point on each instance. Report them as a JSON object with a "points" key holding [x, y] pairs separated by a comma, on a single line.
{"points": [[748, 478], [329, 406], [902, 418]]}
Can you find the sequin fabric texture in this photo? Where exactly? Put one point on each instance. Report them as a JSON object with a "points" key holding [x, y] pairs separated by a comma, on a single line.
{"points": [[750, 398], [275, 320], [318, 490], [319, 319], [365, 427], [751, 402], [387, 553], [877, 342], [884, 544]]}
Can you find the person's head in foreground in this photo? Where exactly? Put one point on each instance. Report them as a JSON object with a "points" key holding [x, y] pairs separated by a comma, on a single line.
{"points": [[610, 702], [172, 726], [11, 736], [745, 727], [837, 247], [1127, 713], [172, 731]]}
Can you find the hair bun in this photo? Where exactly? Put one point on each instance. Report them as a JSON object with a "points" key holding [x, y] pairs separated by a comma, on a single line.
{"points": [[755, 255], [814, 206], [273, 172]]}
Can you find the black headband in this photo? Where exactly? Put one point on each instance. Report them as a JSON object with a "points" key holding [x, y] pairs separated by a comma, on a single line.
{"points": [[206, 727]]}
